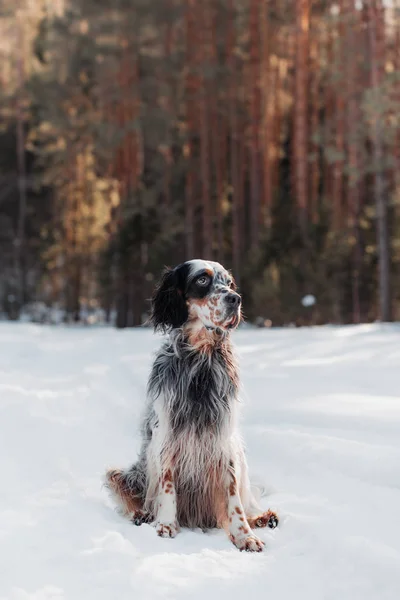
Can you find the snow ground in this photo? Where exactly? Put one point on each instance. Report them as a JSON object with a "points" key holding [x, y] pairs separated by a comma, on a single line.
{"points": [[321, 419]]}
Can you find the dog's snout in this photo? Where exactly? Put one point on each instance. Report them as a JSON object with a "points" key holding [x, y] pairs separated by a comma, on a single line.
{"points": [[232, 299]]}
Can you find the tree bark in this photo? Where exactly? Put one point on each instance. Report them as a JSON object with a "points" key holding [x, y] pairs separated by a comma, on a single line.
{"points": [[300, 112], [338, 180], [353, 118], [234, 149], [375, 21], [20, 237], [267, 124], [255, 173], [190, 92]]}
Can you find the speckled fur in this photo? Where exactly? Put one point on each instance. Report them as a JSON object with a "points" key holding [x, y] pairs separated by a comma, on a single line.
{"points": [[192, 470]]}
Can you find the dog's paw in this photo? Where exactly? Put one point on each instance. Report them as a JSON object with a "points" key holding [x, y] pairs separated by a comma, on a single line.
{"points": [[167, 529], [140, 517], [268, 519], [249, 543]]}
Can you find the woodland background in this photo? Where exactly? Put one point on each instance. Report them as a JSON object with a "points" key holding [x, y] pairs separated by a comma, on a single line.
{"points": [[264, 134]]}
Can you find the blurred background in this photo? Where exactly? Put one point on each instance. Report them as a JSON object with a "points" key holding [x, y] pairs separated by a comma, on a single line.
{"points": [[264, 134]]}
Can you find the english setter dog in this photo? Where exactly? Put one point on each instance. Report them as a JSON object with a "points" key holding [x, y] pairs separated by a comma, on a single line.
{"points": [[192, 470]]}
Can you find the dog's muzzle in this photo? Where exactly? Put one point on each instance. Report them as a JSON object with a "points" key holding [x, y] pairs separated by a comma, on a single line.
{"points": [[233, 302]]}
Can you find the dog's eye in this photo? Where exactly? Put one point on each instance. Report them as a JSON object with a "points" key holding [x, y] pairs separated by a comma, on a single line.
{"points": [[203, 280], [230, 283]]}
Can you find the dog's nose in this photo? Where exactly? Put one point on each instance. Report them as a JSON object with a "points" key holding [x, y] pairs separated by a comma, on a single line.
{"points": [[232, 299]]}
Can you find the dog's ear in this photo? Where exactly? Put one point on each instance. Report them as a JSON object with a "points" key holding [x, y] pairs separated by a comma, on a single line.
{"points": [[168, 306]]}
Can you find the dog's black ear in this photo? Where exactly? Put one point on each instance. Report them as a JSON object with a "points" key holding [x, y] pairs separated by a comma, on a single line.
{"points": [[168, 306]]}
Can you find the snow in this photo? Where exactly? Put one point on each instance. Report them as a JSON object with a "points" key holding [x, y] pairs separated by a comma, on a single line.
{"points": [[321, 419]]}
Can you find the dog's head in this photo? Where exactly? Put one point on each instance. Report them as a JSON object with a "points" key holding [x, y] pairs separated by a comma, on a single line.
{"points": [[198, 292]]}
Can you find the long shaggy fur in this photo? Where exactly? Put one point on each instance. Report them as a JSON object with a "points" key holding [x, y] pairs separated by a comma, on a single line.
{"points": [[192, 399], [192, 469]]}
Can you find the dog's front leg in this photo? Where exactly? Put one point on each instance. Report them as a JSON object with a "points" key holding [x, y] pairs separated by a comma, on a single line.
{"points": [[236, 522], [166, 522]]}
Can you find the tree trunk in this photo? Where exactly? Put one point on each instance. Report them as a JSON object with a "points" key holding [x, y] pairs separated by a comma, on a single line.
{"points": [[338, 181], [76, 290], [300, 111], [353, 118], [205, 179], [122, 302], [218, 141], [276, 124], [20, 237], [313, 167], [190, 92], [375, 21], [255, 173], [204, 23], [267, 123], [234, 150]]}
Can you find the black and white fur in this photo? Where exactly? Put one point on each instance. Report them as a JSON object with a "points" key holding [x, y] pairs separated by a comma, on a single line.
{"points": [[192, 470]]}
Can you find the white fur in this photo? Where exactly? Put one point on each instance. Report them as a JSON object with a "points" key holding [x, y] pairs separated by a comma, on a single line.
{"points": [[198, 264]]}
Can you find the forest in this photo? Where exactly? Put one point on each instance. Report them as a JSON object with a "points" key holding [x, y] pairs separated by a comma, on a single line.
{"points": [[263, 134]]}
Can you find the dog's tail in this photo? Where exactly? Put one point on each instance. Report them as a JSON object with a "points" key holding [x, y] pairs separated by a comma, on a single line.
{"points": [[128, 489]]}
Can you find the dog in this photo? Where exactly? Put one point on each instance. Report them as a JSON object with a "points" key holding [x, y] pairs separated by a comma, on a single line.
{"points": [[191, 470]]}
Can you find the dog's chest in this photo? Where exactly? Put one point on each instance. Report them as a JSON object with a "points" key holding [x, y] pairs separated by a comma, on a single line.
{"points": [[202, 395]]}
